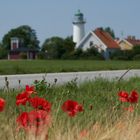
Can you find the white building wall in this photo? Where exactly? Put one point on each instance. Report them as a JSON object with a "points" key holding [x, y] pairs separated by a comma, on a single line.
{"points": [[92, 40], [78, 32]]}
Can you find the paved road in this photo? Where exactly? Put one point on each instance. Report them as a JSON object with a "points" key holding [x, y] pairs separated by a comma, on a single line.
{"points": [[65, 77]]}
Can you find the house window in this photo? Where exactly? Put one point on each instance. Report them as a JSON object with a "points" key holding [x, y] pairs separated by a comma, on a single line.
{"points": [[14, 45], [91, 43]]}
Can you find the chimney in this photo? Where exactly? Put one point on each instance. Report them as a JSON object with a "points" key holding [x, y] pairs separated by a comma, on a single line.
{"points": [[133, 37]]}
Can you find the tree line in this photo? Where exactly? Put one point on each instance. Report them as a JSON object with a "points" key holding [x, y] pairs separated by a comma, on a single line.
{"points": [[56, 47]]}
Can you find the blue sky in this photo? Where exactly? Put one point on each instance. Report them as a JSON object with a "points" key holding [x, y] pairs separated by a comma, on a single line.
{"points": [[54, 17]]}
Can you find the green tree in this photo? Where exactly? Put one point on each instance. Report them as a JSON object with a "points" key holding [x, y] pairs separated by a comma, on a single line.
{"points": [[110, 31], [136, 49], [53, 47], [78, 53], [58, 48], [3, 52], [136, 52], [69, 47], [25, 33]]}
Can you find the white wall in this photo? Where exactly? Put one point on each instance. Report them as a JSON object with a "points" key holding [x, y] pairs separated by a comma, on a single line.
{"points": [[91, 37], [78, 32]]}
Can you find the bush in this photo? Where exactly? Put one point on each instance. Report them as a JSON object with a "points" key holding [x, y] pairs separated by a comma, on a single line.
{"points": [[136, 50], [127, 54], [90, 53], [136, 53], [136, 57], [23, 55], [122, 55], [76, 54], [41, 55], [3, 53]]}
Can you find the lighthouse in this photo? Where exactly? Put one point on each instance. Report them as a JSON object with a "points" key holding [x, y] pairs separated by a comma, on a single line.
{"points": [[78, 27]]}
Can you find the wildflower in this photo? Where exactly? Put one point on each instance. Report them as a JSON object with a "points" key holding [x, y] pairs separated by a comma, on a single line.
{"points": [[133, 97], [22, 98], [2, 104], [40, 103], [71, 107], [39, 121], [30, 89], [39, 117], [34, 121], [80, 108], [123, 96], [23, 120]]}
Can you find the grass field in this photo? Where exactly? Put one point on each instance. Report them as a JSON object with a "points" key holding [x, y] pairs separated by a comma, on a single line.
{"points": [[106, 120], [49, 66]]}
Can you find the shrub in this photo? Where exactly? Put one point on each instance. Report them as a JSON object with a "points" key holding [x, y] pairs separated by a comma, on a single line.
{"points": [[3, 53], [90, 53], [41, 55], [122, 55], [23, 55], [77, 53], [136, 57]]}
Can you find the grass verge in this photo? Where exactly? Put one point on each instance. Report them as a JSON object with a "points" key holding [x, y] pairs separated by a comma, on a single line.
{"points": [[103, 117], [49, 66]]}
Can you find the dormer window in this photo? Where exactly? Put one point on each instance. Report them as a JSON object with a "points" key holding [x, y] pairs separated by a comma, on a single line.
{"points": [[14, 43]]}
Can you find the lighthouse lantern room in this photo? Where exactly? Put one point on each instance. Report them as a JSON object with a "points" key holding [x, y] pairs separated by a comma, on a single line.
{"points": [[78, 27]]}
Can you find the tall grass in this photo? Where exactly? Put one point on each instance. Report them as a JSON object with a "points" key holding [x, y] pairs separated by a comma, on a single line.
{"points": [[103, 117]]}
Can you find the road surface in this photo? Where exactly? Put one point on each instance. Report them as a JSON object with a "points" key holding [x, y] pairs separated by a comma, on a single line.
{"points": [[13, 80]]}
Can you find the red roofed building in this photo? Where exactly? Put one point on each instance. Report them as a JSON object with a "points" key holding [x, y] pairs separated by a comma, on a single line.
{"points": [[106, 38], [129, 43], [101, 40], [18, 51], [133, 40]]}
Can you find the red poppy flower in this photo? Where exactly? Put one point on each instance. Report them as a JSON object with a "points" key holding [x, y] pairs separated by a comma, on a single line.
{"points": [[2, 104], [39, 117], [23, 120], [71, 107], [22, 98], [30, 89], [40, 103], [80, 108], [39, 121], [133, 97], [123, 96], [35, 121]]}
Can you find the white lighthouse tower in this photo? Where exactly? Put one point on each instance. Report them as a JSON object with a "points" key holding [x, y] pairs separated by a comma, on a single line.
{"points": [[78, 27]]}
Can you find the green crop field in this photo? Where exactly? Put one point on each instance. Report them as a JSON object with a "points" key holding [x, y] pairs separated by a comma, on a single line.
{"points": [[103, 118], [49, 66]]}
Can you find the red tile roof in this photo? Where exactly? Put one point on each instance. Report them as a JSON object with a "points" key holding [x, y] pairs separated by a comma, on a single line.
{"points": [[133, 41], [106, 38]]}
